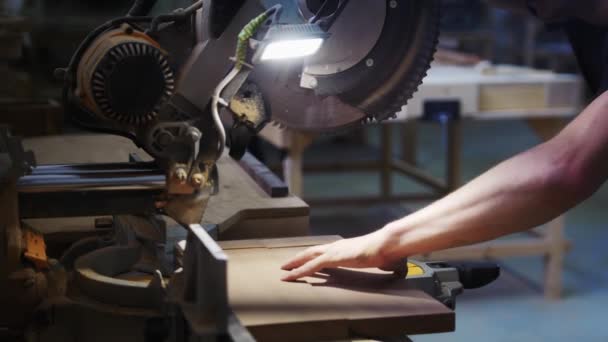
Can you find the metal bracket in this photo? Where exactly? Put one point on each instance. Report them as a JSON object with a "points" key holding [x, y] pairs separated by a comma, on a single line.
{"points": [[204, 291]]}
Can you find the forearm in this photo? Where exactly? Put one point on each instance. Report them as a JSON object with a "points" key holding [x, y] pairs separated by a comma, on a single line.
{"points": [[514, 196], [518, 194], [523, 192]]}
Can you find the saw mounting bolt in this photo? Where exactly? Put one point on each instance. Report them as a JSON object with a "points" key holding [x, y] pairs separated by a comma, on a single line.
{"points": [[393, 3], [194, 134], [369, 62]]}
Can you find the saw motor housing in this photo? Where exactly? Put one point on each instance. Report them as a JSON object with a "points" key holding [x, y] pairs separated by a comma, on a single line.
{"points": [[125, 77], [122, 80]]}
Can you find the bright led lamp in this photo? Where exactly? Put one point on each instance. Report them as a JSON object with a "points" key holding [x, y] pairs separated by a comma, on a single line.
{"points": [[284, 49], [290, 41]]}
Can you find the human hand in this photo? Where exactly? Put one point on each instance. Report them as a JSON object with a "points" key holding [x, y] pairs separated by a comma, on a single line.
{"points": [[361, 252]]}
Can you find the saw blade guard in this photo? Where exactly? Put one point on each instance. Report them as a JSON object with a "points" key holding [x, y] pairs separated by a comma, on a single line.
{"points": [[367, 70]]}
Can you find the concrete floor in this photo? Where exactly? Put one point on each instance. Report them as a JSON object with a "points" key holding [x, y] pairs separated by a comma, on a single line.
{"points": [[512, 308]]}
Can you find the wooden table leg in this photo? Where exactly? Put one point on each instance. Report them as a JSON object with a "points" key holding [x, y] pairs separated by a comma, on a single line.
{"points": [[292, 171], [409, 142], [293, 163], [555, 258], [547, 128], [454, 143]]}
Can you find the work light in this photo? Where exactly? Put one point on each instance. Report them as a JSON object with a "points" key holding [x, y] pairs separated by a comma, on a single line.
{"points": [[290, 41]]}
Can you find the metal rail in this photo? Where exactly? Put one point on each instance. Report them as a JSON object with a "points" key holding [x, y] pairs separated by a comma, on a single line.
{"points": [[57, 178]]}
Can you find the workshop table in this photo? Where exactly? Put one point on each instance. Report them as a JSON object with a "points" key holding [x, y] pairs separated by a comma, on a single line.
{"points": [[450, 95]]}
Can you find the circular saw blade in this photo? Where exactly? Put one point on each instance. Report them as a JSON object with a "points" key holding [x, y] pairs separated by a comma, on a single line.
{"points": [[370, 82]]}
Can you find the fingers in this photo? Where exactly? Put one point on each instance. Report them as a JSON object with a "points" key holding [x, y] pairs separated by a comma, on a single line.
{"points": [[307, 269], [303, 257]]}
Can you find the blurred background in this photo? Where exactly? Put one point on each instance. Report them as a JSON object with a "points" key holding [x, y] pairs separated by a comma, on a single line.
{"points": [[553, 286]]}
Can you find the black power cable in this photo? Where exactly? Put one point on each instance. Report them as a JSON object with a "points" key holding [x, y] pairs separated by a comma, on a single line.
{"points": [[141, 8]]}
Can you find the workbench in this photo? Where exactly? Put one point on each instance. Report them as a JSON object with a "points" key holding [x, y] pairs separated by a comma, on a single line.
{"points": [[451, 95]]}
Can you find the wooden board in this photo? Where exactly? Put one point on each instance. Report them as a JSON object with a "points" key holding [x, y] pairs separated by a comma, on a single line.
{"points": [[335, 305]]}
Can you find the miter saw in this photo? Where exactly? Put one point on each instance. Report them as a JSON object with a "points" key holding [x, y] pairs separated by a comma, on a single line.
{"points": [[183, 86], [165, 81]]}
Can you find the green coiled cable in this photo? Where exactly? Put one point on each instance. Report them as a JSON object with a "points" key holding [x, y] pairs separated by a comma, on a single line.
{"points": [[243, 39]]}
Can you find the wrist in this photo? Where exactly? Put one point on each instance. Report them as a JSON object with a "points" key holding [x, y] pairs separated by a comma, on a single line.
{"points": [[390, 239]]}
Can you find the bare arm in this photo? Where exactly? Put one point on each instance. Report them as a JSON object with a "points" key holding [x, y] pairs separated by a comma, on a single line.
{"points": [[523, 192]]}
